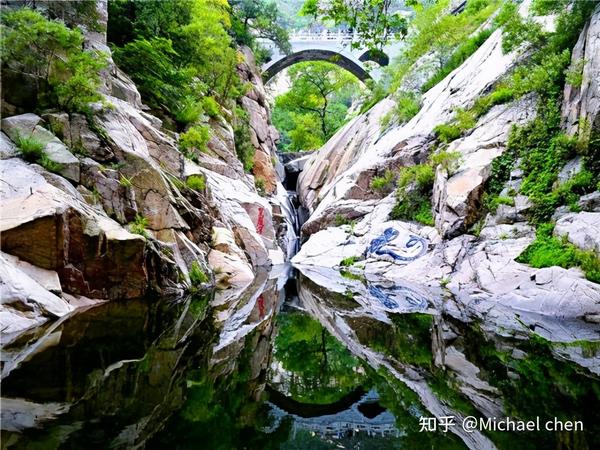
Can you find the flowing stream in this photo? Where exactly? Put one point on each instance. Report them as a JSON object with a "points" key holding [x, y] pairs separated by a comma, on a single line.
{"points": [[297, 360]]}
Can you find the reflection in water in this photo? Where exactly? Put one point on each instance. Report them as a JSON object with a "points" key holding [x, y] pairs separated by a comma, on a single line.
{"points": [[327, 365]]}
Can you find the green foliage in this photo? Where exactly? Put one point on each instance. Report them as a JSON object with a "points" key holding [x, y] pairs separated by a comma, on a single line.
{"points": [[31, 148], [315, 107], [349, 261], [374, 93], [66, 76], [33, 151], [447, 132], [445, 36], [196, 182], [547, 251], [125, 182], [384, 183], [574, 74], [258, 18], [413, 194], [460, 55], [372, 20], [447, 160], [194, 140], [259, 184], [517, 30], [407, 106], [152, 66], [177, 52], [48, 164], [243, 145], [211, 107], [492, 202], [197, 275], [341, 220], [77, 82], [139, 225], [414, 188]]}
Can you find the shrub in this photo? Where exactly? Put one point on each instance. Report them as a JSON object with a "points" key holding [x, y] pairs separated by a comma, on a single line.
{"points": [[548, 250], [31, 148], [447, 160], [413, 194], [211, 107], [188, 111], [195, 138], [196, 182], [384, 183], [574, 74], [197, 275], [459, 56], [67, 76], [259, 183], [349, 261], [407, 106], [139, 225], [76, 85], [446, 132], [243, 145]]}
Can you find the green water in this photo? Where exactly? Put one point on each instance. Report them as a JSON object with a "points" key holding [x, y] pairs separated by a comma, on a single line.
{"points": [[315, 372]]}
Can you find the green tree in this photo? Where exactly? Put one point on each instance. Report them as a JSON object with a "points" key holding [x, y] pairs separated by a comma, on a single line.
{"points": [[260, 18], [316, 105], [374, 21], [66, 76], [177, 52]]}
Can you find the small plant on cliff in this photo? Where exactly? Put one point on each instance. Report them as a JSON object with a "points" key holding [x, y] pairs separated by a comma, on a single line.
{"points": [[243, 145], [125, 182], [412, 198], [384, 183], [139, 225], [548, 250], [259, 183], [31, 148], [197, 275], [196, 182], [349, 261], [195, 138], [211, 107], [49, 165]]}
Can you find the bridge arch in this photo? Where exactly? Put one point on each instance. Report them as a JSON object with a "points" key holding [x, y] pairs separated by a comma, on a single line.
{"points": [[270, 70]]}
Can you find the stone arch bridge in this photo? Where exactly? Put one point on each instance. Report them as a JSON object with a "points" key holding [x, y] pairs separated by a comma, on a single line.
{"points": [[329, 46]]}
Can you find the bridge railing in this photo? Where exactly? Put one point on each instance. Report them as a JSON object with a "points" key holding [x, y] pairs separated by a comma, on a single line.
{"points": [[325, 35]]}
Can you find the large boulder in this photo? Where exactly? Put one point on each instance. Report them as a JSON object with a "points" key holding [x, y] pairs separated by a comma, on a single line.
{"points": [[29, 125], [25, 303], [55, 229], [581, 229], [457, 197]]}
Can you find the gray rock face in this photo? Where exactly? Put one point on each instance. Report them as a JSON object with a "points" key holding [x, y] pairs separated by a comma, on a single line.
{"points": [[27, 125], [581, 229], [457, 198], [343, 168], [7, 148], [581, 104], [590, 202], [25, 303]]}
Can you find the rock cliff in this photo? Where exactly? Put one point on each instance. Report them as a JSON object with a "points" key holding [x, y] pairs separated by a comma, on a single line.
{"points": [[350, 221], [117, 219]]}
